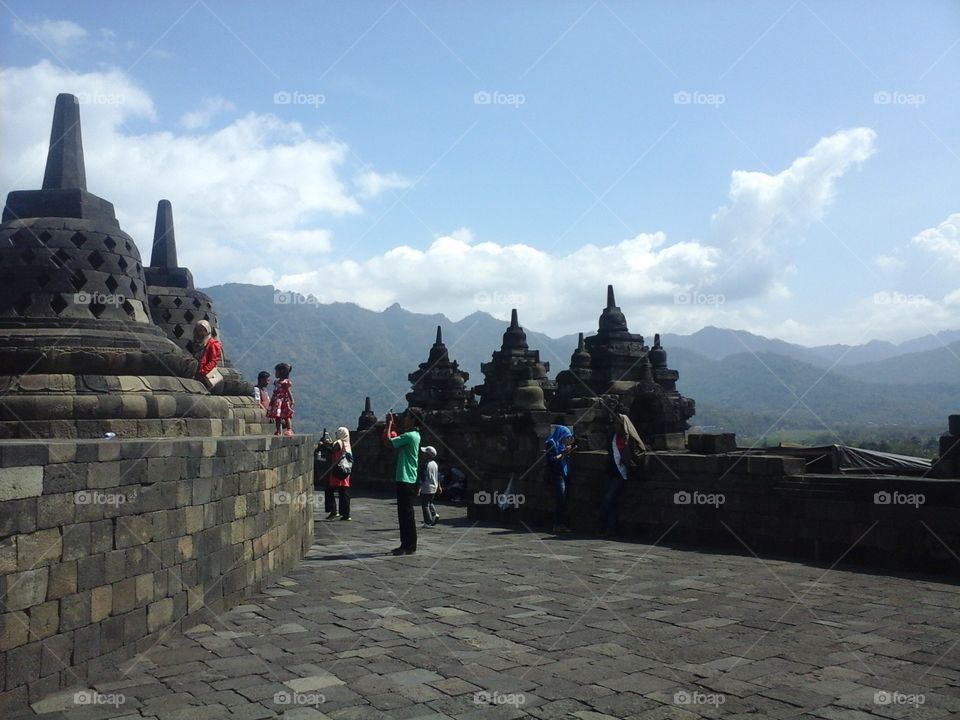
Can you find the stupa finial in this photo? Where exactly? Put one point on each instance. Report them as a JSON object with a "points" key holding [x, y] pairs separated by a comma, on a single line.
{"points": [[164, 253], [65, 169], [439, 336], [513, 318], [611, 300]]}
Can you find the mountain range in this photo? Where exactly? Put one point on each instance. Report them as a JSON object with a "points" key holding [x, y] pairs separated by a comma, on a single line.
{"points": [[742, 382]]}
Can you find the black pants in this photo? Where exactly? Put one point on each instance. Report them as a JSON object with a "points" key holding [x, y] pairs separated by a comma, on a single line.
{"points": [[405, 515], [344, 493], [329, 500]]}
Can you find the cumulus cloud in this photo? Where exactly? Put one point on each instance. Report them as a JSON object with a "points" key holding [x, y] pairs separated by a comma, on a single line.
{"points": [[257, 182], [942, 240], [59, 36], [202, 116], [371, 184]]}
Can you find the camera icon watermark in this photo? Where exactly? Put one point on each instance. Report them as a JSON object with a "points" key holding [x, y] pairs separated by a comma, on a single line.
{"points": [[896, 97], [683, 497], [101, 98], [893, 697], [92, 697], [95, 497], [493, 697], [98, 298], [499, 298], [495, 97], [303, 699], [282, 497], [288, 297], [295, 97], [500, 499], [898, 298], [695, 97], [698, 298], [898, 498]]}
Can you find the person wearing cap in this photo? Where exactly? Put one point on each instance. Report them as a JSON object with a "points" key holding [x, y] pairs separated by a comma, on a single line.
{"points": [[429, 485]]}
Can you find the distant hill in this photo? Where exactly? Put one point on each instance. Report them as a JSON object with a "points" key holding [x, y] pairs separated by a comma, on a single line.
{"points": [[742, 382]]}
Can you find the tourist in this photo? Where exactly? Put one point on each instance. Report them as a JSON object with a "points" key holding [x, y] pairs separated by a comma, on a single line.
{"points": [[281, 404], [260, 393], [407, 445], [558, 447], [429, 486], [207, 351], [624, 446], [324, 455], [341, 464]]}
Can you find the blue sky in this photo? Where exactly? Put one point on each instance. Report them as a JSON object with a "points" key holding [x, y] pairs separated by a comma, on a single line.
{"points": [[789, 168]]}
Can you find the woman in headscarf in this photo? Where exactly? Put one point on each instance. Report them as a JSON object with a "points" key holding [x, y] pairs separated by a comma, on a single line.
{"points": [[207, 351], [624, 444], [339, 481], [558, 447]]}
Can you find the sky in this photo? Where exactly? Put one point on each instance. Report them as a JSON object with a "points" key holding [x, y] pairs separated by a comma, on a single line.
{"points": [[785, 167]]}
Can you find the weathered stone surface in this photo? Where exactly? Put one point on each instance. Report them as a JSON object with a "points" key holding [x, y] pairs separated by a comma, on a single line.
{"points": [[20, 482], [26, 588]]}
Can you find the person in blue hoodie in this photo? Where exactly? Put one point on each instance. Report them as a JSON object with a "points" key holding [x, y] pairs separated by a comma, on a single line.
{"points": [[558, 447]]}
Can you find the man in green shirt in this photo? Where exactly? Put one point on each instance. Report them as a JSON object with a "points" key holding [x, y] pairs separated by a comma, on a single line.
{"points": [[407, 446]]}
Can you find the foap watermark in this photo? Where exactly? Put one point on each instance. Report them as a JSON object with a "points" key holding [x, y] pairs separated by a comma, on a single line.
{"points": [[495, 97], [686, 697], [282, 497], [896, 97], [287, 297], [295, 97], [101, 98], [695, 97], [698, 298], [499, 298], [92, 697], [893, 697], [898, 498], [302, 699], [498, 498], [95, 497], [696, 497], [493, 697], [98, 298], [898, 298]]}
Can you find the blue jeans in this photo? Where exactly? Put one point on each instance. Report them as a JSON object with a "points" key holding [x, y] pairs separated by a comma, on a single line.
{"points": [[559, 482], [608, 513], [429, 511]]}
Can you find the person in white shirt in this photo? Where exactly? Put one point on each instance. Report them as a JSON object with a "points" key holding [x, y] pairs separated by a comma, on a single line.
{"points": [[429, 486]]}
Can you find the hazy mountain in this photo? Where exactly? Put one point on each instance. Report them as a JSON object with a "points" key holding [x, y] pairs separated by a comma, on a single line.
{"points": [[744, 382]]}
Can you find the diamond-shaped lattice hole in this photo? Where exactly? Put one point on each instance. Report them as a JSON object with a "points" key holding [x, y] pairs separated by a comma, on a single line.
{"points": [[43, 277], [22, 304], [110, 243], [155, 301], [28, 256], [58, 304], [44, 237], [78, 239], [129, 309], [178, 331], [122, 263], [112, 284], [126, 244], [178, 302], [60, 257], [97, 308], [139, 269], [166, 315], [79, 280], [95, 259], [196, 303], [188, 316], [133, 288]]}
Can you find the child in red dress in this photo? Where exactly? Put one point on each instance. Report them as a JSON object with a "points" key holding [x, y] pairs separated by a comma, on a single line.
{"points": [[281, 404]]}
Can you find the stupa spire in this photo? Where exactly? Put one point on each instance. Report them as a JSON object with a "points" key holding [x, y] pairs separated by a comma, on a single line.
{"points": [[65, 168], [611, 300], [513, 318], [164, 253], [439, 335]]}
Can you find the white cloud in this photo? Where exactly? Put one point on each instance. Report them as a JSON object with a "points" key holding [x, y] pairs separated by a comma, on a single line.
{"points": [[258, 182], [943, 240], [371, 183], [201, 117], [59, 36], [888, 262]]}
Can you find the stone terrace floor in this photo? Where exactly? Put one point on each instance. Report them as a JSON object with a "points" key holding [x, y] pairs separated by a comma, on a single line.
{"points": [[487, 622]]}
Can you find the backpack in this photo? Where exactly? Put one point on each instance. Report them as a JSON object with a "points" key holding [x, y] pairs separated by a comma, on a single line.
{"points": [[344, 467]]}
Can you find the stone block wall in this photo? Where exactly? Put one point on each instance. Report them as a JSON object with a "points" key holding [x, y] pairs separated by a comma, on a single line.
{"points": [[108, 545]]}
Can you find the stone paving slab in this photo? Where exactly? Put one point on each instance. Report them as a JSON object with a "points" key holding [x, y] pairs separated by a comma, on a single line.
{"points": [[489, 622]]}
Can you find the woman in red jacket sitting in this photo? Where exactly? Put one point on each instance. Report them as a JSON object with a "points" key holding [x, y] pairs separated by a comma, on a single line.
{"points": [[208, 352]]}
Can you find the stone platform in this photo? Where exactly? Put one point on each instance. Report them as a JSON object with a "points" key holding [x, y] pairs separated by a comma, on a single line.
{"points": [[487, 622]]}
